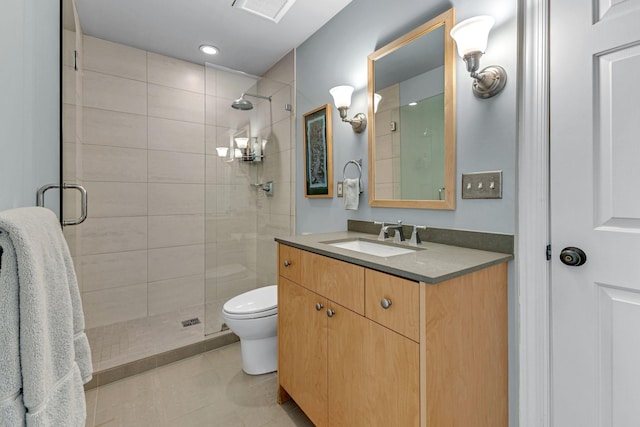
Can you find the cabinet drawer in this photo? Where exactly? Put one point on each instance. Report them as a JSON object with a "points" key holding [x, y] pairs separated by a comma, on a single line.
{"points": [[339, 281], [289, 263], [400, 296]]}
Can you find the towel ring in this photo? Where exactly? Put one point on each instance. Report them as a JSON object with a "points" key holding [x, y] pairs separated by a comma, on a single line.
{"points": [[358, 164]]}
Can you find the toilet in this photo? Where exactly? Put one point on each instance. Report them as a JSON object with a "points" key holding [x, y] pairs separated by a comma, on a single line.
{"points": [[253, 317]]}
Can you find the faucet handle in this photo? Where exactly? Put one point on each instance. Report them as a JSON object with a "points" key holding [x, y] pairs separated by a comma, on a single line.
{"points": [[381, 236], [415, 237]]}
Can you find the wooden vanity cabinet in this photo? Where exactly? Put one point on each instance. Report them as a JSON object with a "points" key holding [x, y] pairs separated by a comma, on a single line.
{"points": [[435, 356], [340, 367]]}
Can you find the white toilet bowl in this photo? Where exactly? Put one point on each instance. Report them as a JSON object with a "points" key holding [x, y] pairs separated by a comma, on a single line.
{"points": [[253, 317]]}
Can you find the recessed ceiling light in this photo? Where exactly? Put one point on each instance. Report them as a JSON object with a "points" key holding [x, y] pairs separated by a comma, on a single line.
{"points": [[413, 103], [208, 49]]}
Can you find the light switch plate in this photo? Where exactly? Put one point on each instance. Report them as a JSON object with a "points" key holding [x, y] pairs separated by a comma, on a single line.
{"points": [[482, 185], [339, 189]]}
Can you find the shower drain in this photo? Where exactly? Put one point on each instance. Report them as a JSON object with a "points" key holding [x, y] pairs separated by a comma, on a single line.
{"points": [[190, 322]]}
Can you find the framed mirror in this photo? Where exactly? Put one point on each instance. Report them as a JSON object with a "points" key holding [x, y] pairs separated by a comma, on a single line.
{"points": [[412, 138]]}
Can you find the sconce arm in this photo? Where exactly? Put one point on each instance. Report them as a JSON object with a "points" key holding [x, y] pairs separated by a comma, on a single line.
{"points": [[489, 81], [358, 122]]}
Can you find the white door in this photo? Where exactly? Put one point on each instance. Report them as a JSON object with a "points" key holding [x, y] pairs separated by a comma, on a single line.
{"points": [[595, 206]]}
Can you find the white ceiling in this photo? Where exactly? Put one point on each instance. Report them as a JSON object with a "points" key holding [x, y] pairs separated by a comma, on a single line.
{"points": [[177, 28]]}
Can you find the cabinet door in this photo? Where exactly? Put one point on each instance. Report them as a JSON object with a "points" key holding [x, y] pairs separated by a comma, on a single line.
{"points": [[347, 379], [374, 373], [302, 348], [393, 378]]}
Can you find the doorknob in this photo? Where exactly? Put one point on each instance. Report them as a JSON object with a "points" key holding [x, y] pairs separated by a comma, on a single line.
{"points": [[574, 257]]}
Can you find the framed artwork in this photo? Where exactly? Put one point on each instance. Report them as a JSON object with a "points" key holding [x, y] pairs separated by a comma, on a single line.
{"points": [[318, 157]]}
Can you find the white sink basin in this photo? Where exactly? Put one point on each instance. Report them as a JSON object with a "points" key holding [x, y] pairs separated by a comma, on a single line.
{"points": [[371, 248]]}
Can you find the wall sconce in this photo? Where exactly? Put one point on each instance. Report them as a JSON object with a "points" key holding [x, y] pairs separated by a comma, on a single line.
{"points": [[342, 100], [471, 36]]}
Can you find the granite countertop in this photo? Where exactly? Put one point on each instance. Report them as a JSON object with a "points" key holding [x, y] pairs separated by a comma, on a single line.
{"points": [[435, 263]]}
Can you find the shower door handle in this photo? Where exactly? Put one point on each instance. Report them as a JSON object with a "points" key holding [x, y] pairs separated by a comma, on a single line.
{"points": [[83, 201]]}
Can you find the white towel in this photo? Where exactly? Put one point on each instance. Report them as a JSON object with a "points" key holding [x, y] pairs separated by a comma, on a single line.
{"points": [[44, 352], [351, 193]]}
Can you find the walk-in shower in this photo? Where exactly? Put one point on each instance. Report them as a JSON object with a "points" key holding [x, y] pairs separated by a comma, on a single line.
{"points": [[244, 104], [172, 231]]}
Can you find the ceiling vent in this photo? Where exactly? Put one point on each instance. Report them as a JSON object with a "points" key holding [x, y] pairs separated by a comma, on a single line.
{"points": [[273, 10]]}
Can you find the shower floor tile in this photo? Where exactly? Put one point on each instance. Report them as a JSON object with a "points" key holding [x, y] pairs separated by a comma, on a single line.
{"points": [[125, 342], [209, 389]]}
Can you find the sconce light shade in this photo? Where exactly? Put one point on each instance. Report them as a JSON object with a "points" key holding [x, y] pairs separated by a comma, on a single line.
{"points": [[342, 100], [341, 96], [242, 143], [471, 36], [222, 151], [376, 101]]}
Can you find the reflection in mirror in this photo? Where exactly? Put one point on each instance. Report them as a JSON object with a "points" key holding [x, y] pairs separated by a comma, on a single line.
{"points": [[412, 139]]}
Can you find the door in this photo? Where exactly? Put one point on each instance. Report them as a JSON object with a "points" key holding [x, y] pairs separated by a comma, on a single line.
{"points": [[595, 206]]}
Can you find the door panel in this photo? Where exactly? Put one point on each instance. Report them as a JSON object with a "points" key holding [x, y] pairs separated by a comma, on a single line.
{"points": [[618, 354], [616, 160], [595, 205]]}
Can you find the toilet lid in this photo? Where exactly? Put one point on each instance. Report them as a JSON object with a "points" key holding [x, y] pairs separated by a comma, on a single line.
{"points": [[254, 301]]}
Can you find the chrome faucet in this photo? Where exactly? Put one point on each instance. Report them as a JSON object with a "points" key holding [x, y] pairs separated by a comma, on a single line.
{"points": [[399, 234]]}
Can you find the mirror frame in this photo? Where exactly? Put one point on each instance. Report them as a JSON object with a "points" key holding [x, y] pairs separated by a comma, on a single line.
{"points": [[446, 19]]}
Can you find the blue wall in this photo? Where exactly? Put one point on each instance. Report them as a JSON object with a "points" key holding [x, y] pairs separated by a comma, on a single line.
{"points": [[486, 129]]}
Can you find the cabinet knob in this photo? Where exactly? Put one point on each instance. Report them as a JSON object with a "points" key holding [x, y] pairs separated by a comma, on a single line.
{"points": [[287, 263], [330, 313], [319, 306], [385, 303]]}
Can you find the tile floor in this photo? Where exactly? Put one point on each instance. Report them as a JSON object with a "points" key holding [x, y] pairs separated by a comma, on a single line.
{"points": [[205, 390]]}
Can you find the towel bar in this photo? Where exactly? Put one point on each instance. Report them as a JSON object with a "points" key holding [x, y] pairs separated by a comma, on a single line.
{"points": [[358, 163]]}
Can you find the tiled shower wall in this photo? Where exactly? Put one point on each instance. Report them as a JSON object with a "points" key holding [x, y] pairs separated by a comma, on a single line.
{"points": [[169, 222]]}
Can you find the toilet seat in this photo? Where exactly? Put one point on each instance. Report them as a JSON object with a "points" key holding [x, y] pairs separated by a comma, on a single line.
{"points": [[260, 302]]}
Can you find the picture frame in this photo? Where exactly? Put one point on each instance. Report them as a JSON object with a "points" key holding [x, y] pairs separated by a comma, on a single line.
{"points": [[318, 154]]}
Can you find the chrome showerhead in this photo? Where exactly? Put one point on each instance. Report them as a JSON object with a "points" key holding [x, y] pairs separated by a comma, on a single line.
{"points": [[243, 104]]}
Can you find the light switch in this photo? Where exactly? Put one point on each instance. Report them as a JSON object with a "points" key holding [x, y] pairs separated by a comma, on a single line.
{"points": [[482, 185]]}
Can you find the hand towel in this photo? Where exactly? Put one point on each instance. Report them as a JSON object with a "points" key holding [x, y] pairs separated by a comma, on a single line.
{"points": [[351, 193], [53, 351]]}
